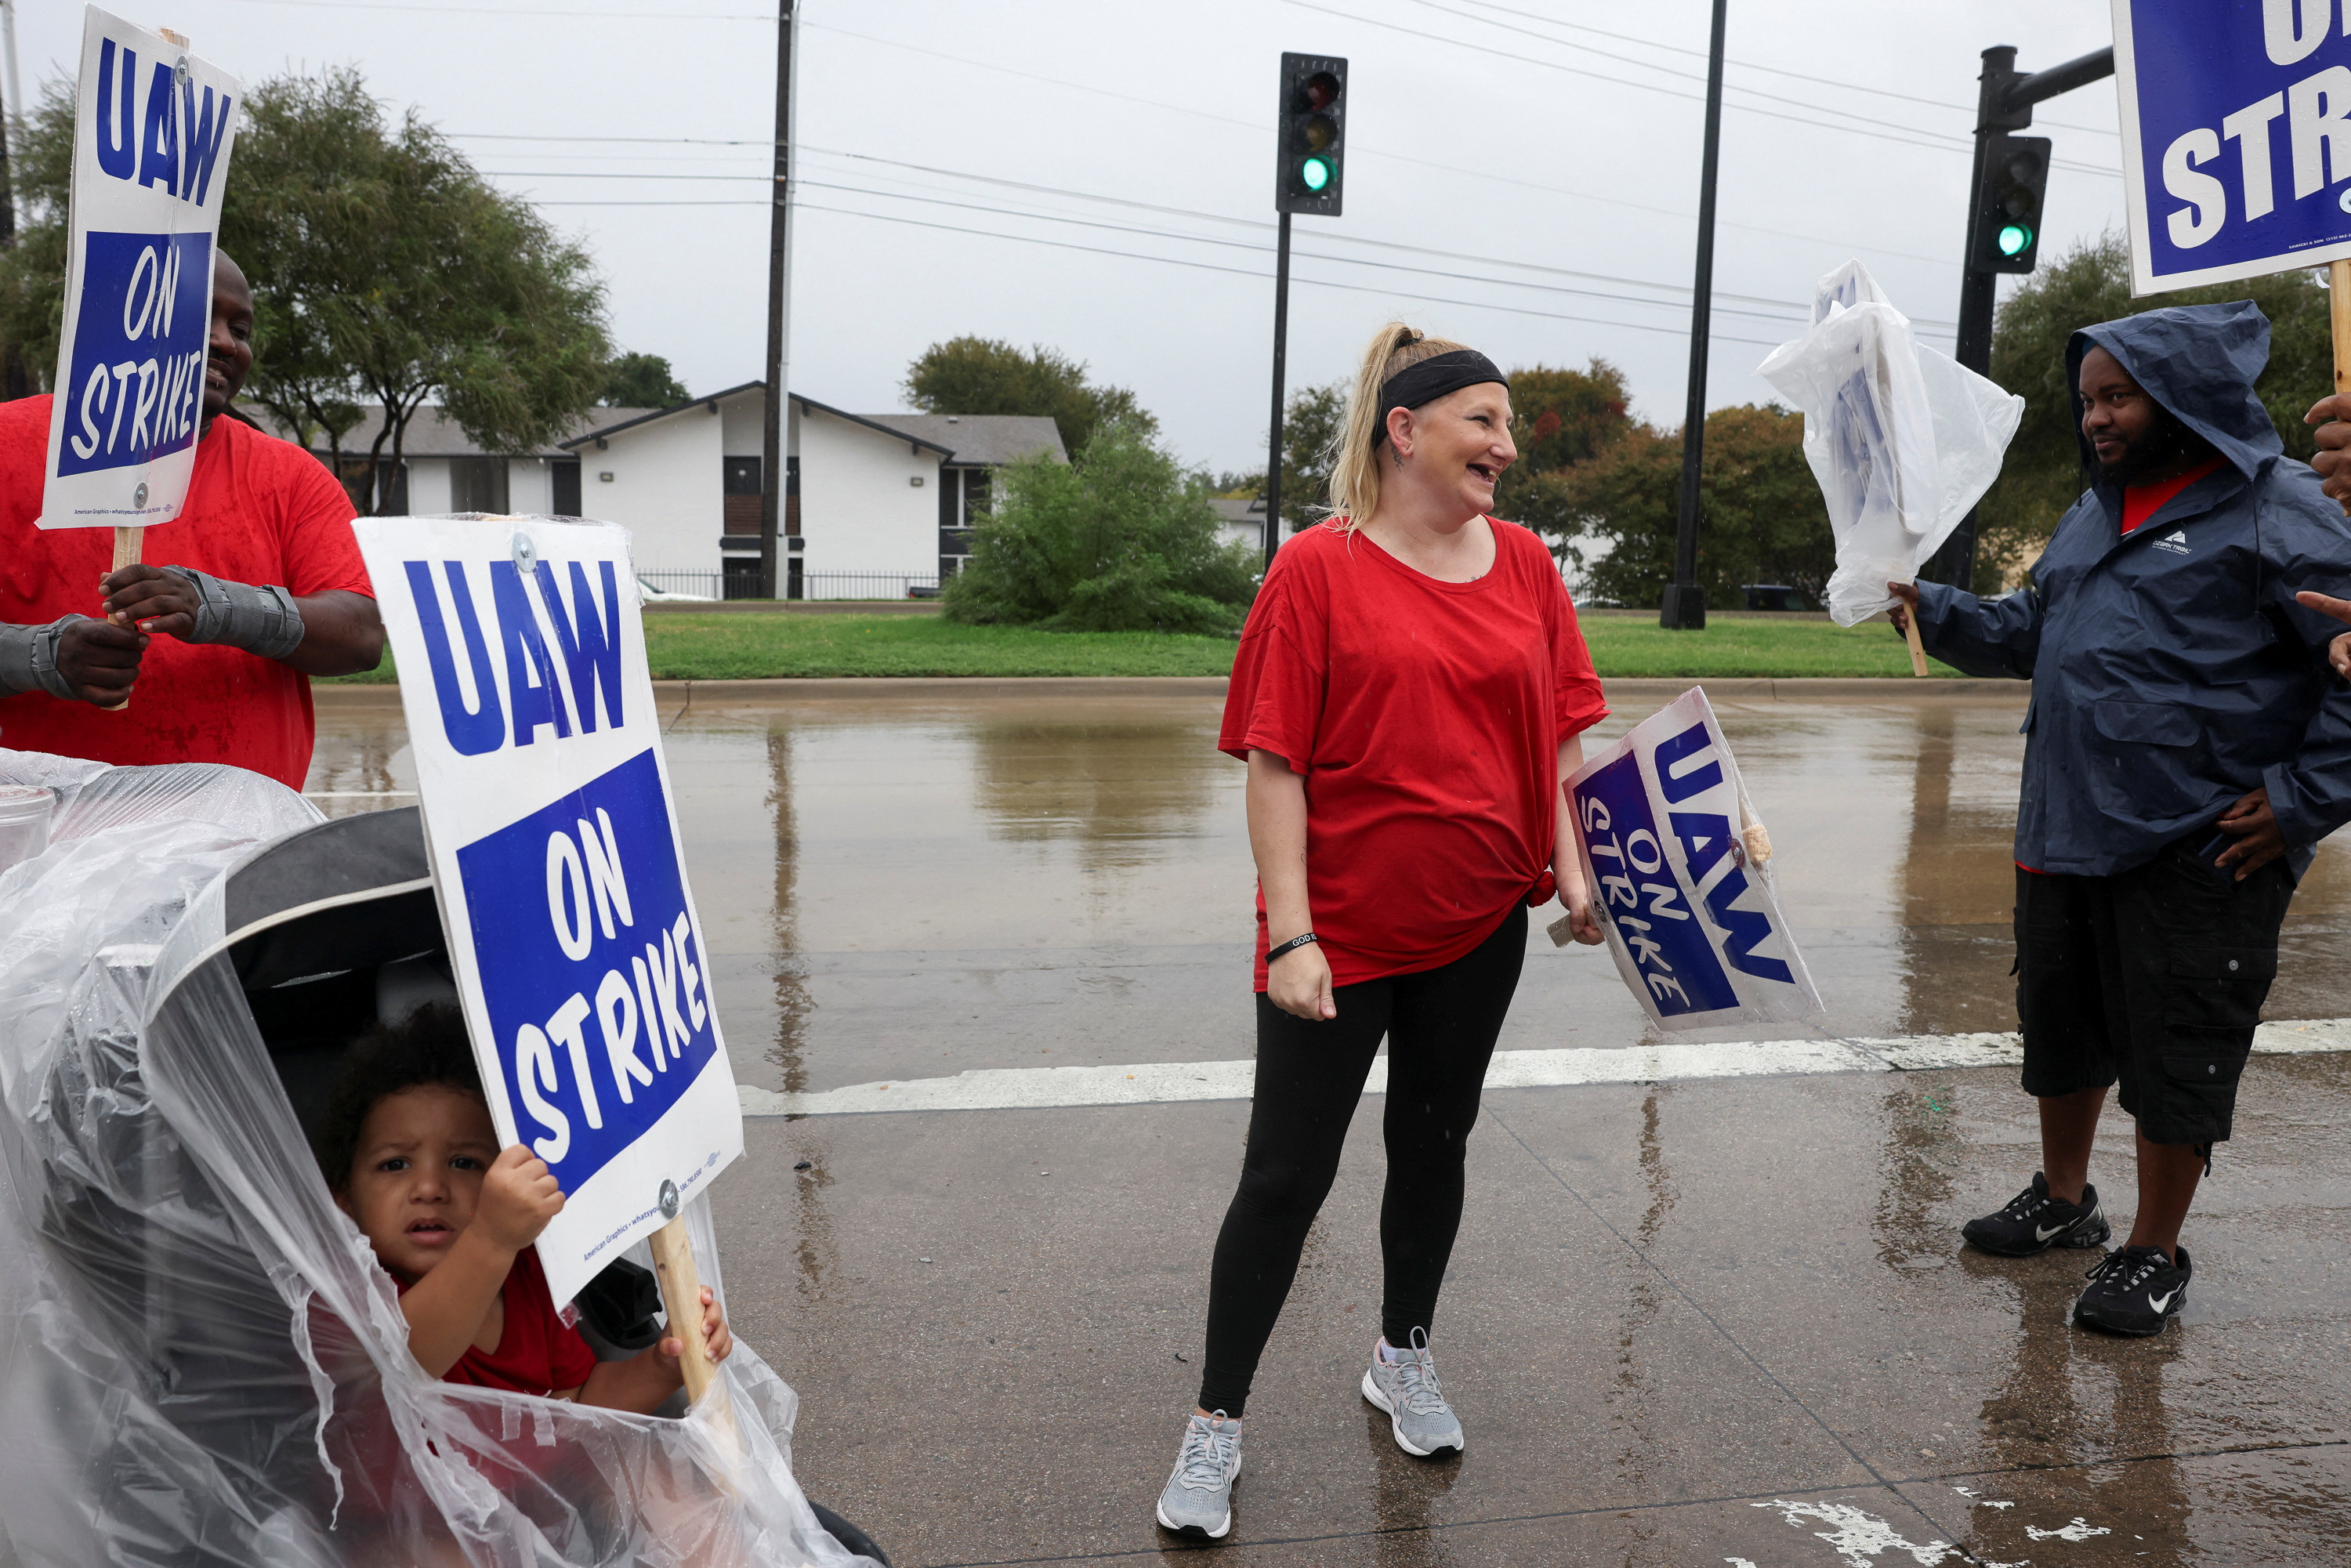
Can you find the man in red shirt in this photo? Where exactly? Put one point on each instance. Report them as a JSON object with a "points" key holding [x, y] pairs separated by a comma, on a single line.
{"points": [[267, 590]]}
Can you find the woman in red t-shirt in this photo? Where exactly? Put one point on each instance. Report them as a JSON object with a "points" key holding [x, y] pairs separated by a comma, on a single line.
{"points": [[1408, 695]]}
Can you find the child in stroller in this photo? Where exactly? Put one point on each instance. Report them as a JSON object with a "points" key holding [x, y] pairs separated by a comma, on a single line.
{"points": [[408, 1149]]}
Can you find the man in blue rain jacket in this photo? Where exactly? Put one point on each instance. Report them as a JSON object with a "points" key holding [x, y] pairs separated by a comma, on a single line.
{"points": [[2186, 747]]}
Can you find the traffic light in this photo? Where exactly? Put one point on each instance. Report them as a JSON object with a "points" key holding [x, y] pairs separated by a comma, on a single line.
{"points": [[2006, 233], [1310, 161]]}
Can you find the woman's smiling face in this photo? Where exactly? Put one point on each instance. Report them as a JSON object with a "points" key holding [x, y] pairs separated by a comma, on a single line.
{"points": [[1461, 442]]}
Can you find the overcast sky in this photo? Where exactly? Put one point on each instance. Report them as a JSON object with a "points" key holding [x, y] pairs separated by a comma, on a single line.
{"points": [[1097, 175]]}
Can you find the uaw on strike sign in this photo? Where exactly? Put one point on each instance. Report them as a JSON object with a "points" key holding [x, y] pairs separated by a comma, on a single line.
{"points": [[153, 129], [2236, 122], [578, 954], [1689, 911]]}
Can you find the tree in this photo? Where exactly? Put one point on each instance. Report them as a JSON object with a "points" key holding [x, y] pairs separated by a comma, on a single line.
{"points": [[384, 271], [641, 380], [1311, 423], [1559, 419], [1122, 539], [1762, 517], [984, 375], [2041, 474]]}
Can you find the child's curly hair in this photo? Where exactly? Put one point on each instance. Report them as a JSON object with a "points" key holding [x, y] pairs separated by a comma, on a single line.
{"points": [[430, 1046]]}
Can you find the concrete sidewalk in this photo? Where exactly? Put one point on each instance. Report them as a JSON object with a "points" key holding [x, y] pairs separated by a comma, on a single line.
{"points": [[1708, 1322]]}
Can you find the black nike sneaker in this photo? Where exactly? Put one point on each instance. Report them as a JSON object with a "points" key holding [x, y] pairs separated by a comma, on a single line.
{"points": [[2034, 1221], [2134, 1291]]}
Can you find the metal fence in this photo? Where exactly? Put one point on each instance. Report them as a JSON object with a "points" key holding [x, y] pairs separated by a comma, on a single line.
{"points": [[835, 585]]}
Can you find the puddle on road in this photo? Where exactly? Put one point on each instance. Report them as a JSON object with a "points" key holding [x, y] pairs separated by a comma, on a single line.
{"points": [[911, 886]]}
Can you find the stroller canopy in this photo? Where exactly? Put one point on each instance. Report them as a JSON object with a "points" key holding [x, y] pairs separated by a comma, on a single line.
{"points": [[201, 1361]]}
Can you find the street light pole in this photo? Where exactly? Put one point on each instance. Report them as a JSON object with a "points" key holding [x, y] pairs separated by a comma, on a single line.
{"points": [[774, 449], [1685, 602]]}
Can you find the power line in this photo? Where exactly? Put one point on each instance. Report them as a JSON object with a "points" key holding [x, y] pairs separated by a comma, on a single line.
{"points": [[1750, 64], [1774, 309], [1879, 130]]}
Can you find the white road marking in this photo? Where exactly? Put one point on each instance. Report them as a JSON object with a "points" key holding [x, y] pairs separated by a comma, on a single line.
{"points": [[2080, 1529], [1857, 1537], [1160, 1082]]}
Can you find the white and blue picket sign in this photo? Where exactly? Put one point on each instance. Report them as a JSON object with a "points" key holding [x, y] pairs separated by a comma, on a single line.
{"points": [[548, 809], [2236, 122], [153, 129], [1692, 921]]}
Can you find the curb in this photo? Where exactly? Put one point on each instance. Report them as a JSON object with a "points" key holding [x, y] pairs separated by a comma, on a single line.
{"points": [[1644, 689]]}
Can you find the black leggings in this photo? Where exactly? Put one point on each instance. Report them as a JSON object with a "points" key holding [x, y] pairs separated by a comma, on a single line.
{"points": [[1441, 1026]]}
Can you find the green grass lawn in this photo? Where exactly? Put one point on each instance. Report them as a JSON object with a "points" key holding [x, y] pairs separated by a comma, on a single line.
{"points": [[686, 646]]}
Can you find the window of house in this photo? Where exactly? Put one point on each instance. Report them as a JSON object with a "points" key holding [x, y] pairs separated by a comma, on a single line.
{"points": [[563, 484], [477, 485], [743, 496]]}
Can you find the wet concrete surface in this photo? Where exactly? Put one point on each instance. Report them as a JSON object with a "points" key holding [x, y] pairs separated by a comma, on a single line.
{"points": [[1702, 1322]]}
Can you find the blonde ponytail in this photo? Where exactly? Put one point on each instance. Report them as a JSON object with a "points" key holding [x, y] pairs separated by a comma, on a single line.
{"points": [[1354, 466]]}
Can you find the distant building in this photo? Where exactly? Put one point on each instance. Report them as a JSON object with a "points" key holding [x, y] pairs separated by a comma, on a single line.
{"points": [[874, 505], [1241, 522]]}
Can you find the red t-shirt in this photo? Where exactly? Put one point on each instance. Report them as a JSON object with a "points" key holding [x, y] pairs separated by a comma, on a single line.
{"points": [[1426, 718], [2141, 502], [261, 511], [537, 1351]]}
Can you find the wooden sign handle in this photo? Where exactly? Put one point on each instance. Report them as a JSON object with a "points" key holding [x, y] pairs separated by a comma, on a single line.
{"points": [[681, 1288], [127, 543], [1917, 649], [2338, 310]]}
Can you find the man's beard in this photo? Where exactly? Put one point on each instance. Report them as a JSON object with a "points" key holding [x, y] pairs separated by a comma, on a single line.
{"points": [[2166, 442]]}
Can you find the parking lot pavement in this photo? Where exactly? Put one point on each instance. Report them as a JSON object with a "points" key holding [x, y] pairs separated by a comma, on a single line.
{"points": [[1688, 1322]]}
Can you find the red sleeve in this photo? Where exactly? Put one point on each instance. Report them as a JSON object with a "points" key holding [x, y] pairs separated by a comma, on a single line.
{"points": [[568, 1359], [1577, 698], [322, 553], [1275, 700]]}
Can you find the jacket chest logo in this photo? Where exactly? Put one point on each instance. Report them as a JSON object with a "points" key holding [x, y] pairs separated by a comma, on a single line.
{"points": [[2176, 541]]}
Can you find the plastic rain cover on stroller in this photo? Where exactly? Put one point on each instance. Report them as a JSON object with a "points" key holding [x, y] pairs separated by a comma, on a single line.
{"points": [[200, 1360]]}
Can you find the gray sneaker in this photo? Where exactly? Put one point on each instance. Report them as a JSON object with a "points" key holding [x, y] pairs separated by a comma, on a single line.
{"points": [[1406, 1389], [1199, 1496]]}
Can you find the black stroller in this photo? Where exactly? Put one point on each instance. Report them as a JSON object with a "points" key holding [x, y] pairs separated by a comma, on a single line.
{"points": [[200, 1362]]}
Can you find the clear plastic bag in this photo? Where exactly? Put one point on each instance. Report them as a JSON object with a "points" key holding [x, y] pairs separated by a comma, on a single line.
{"points": [[1904, 440], [200, 1360]]}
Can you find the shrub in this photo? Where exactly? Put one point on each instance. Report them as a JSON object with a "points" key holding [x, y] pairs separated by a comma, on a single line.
{"points": [[1120, 540]]}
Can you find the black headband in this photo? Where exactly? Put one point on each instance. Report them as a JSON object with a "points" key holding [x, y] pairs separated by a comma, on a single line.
{"points": [[1430, 379]]}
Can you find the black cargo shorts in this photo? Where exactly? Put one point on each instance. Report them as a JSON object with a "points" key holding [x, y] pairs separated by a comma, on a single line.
{"points": [[2153, 978]]}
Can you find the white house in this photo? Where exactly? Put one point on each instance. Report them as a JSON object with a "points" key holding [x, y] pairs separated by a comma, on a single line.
{"points": [[875, 506]]}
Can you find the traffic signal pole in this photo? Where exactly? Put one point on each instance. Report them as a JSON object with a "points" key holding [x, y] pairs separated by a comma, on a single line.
{"points": [[1684, 603], [2004, 101], [1281, 352]]}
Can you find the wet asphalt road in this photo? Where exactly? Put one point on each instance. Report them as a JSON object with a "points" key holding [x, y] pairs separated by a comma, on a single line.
{"points": [[1700, 1322]]}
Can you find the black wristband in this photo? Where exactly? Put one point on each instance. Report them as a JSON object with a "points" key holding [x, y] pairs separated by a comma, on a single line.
{"points": [[1301, 940]]}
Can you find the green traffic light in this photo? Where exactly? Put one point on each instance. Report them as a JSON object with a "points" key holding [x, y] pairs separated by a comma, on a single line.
{"points": [[1314, 174], [2013, 239]]}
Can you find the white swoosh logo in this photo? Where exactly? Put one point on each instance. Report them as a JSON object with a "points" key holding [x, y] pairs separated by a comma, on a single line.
{"points": [[2163, 1301], [2040, 1235]]}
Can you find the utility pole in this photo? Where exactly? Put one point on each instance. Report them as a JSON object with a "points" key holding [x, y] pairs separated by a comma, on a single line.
{"points": [[1684, 603], [2004, 101], [775, 451], [14, 381], [1281, 352]]}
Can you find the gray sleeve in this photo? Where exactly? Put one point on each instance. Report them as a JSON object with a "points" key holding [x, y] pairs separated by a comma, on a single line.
{"points": [[28, 660], [264, 620]]}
